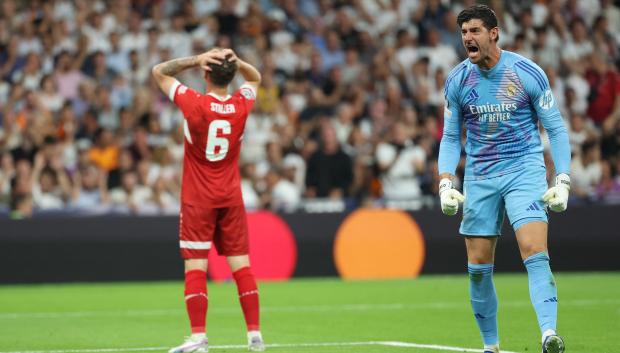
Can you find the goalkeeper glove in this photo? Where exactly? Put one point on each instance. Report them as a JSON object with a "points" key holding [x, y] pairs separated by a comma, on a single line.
{"points": [[557, 196], [449, 197]]}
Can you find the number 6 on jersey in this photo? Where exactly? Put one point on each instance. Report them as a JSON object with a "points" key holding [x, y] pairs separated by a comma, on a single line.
{"points": [[214, 141]]}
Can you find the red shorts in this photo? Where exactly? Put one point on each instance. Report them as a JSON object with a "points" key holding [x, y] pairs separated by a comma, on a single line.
{"points": [[200, 228]]}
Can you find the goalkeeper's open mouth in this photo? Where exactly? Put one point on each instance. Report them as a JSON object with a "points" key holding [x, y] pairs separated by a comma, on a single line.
{"points": [[472, 51]]}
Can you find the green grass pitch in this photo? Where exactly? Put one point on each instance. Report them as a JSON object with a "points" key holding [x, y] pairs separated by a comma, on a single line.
{"points": [[313, 315]]}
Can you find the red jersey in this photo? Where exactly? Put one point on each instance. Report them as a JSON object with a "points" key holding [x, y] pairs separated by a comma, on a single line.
{"points": [[213, 129]]}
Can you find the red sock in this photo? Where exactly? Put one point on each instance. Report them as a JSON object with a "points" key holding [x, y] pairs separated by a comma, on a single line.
{"points": [[196, 299], [248, 297]]}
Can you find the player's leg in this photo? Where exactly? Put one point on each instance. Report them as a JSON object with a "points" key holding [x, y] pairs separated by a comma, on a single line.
{"points": [[233, 242], [196, 298], [480, 258], [196, 234], [483, 214], [532, 238], [528, 217], [247, 290]]}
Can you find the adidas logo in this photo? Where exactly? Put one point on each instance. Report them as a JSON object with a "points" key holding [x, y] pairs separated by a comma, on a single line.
{"points": [[551, 300], [479, 316], [473, 95], [533, 207]]}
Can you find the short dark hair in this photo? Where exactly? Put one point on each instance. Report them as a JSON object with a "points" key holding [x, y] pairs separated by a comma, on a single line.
{"points": [[222, 74], [480, 12]]}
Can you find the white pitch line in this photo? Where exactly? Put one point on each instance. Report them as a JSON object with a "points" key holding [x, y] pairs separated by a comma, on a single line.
{"points": [[274, 345], [434, 346], [284, 309]]}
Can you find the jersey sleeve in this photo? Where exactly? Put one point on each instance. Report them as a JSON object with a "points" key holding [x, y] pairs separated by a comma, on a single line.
{"points": [[537, 86], [184, 97], [450, 146], [247, 95]]}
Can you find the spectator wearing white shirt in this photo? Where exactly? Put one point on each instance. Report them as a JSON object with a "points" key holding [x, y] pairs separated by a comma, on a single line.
{"points": [[135, 38], [586, 170], [294, 169], [138, 73], [65, 40], [343, 122], [90, 191], [545, 54], [283, 195], [251, 200], [578, 47], [579, 90], [176, 38], [29, 41], [441, 56], [30, 75], [580, 130], [117, 59], [205, 33], [353, 70], [130, 196], [163, 199], [262, 125], [400, 163], [97, 35], [407, 52], [50, 184], [612, 13]]}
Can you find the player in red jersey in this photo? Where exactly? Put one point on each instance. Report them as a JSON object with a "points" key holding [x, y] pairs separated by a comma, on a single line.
{"points": [[212, 212]]}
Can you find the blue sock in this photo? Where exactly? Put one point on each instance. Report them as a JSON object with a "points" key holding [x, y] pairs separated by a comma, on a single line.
{"points": [[543, 292], [484, 301]]}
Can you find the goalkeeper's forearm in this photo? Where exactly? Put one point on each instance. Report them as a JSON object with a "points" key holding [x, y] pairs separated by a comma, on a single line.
{"points": [[249, 72], [449, 153]]}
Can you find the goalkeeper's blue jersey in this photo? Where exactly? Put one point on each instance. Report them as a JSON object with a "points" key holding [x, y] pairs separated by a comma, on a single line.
{"points": [[500, 109]]}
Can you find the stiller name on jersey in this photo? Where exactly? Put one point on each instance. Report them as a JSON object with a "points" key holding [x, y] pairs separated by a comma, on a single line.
{"points": [[487, 113], [222, 108]]}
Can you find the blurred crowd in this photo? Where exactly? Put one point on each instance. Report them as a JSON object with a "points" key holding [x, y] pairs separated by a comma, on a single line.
{"points": [[349, 112]]}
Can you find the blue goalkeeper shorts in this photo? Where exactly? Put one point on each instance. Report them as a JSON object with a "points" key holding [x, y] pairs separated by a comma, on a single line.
{"points": [[518, 193]]}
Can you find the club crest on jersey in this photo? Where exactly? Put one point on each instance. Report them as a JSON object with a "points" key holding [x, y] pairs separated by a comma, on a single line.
{"points": [[182, 89], [248, 93], [546, 100], [511, 90]]}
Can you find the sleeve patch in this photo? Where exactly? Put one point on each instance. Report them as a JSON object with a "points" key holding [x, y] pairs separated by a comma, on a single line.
{"points": [[546, 100], [248, 92]]}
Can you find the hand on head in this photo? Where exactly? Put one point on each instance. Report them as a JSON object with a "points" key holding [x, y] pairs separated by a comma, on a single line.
{"points": [[230, 55], [216, 56]]}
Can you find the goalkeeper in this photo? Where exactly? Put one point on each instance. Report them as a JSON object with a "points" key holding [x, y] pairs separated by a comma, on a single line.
{"points": [[501, 97]]}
